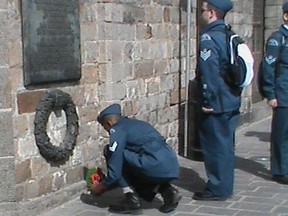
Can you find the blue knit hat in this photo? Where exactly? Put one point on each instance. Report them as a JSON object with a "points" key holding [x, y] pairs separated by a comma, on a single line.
{"points": [[110, 110], [223, 5], [285, 7]]}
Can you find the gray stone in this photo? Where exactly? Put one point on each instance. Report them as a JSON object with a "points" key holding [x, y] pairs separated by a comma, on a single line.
{"points": [[6, 134], [7, 179]]}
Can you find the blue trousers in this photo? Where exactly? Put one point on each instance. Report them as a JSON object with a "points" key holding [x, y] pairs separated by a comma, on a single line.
{"points": [[217, 139], [279, 142], [144, 186]]}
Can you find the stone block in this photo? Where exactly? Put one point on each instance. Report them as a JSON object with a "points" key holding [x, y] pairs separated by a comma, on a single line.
{"points": [[21, 126], [143, 70], [88, 32], [143, 31], [114, 51], [90, 74], [3, 38], [6, 134], [118, 72], [177, 96], [167, 83], [135, 88], [130, 108], [127, 32], [32, 189], [153, 14], [75, 174], [20, 192], [161, 67], [59, 179], [5, 88], [112, 91], [7, 179], [133, 14], [92, 52], [45, 185], [39, 168], [22, 171], [28, 101], [153, 86]]}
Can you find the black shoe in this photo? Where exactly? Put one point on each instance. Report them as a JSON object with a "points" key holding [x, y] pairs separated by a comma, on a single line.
{"points": [[205, 196], [171, 197], [281, 179], [129, 205]]}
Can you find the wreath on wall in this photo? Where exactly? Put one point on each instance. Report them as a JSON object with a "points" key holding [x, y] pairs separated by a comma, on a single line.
{"points": [[54, 101]]}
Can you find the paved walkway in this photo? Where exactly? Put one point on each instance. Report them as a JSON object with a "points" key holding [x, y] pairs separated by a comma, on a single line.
{"points": [[255, 193]]}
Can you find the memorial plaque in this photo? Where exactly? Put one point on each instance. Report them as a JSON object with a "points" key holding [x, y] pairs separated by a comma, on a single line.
{"points": [[51, 41]]}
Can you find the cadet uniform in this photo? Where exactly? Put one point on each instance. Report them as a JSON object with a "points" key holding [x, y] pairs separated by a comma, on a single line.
{"points": [[143, 153], [138, 156], [275, 86], [217, 129]]}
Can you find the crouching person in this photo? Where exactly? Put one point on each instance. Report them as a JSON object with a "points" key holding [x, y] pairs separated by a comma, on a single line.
{"points": [[139, 161]]}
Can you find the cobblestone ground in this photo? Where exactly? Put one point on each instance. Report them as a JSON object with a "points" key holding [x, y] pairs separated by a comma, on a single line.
{"points": [[255, 193]]}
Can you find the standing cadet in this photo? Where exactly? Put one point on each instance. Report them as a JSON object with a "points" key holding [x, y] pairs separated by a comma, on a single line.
{"points": [[138, 159], [220, 103], [275, 90]]}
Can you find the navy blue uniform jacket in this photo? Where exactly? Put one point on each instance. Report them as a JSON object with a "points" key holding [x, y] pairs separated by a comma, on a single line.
{"points": [[212, 64], [138, 146], [275, 68]]}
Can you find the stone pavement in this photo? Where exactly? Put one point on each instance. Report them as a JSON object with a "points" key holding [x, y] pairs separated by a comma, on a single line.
{"points": [[255, 194]]}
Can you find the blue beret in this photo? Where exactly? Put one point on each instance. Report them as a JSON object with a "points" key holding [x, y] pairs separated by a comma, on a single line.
{"points": [[112, 109], [223, 5], [285, 7]]}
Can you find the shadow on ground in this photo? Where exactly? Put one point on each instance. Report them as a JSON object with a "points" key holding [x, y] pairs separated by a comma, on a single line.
{"points": [[253, 167], [189, 180], [114, 197], [262, 136]]}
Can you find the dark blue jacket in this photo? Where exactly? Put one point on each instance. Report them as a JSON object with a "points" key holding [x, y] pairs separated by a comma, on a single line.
{"points": [[212, 64], [136, 145], [275, 67]]}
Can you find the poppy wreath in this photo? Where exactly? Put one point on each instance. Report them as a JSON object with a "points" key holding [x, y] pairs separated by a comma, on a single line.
{"points": [[55, 100]]}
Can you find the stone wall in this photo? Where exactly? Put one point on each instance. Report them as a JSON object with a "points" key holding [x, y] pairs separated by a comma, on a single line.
{"points": [[133, 52], [273, 16]]}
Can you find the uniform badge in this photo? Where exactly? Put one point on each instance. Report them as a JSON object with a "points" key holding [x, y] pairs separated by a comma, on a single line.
{"points": [[112, 131], [272, 42], [205, 54], [270, 59], [205, 37], [113, 147]]}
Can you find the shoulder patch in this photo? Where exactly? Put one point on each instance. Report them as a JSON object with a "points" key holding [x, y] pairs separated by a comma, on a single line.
{"points": [[205, 54], [270, 59], [272, 42], [113, 147], [205, 37], [112, 130]]}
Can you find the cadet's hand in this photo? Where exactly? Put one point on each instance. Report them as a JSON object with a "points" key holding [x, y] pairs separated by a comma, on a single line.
{"points": [[272, 103], [97, 189], [207, 110]]}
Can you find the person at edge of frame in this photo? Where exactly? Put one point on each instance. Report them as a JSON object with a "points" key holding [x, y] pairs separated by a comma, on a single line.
{"points": [[219, 103], [275, 90], [138, 160]]}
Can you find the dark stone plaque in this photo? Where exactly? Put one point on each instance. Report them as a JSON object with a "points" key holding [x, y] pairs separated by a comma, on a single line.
{"points": [[51, 41]]}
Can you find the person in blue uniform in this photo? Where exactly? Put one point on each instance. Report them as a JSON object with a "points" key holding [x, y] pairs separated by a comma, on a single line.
{"points": [[275, 90], [138, 160], [219, 103]]}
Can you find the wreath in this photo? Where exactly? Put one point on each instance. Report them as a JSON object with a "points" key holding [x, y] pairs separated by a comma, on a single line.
{"points": [[53, 101]]}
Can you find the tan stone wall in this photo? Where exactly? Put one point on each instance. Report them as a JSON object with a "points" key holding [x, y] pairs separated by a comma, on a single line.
{"points": [[133, 52]]}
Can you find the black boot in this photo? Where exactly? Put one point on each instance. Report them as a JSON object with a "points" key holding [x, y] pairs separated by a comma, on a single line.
{"points": [[129, 205], [171, 197]]}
